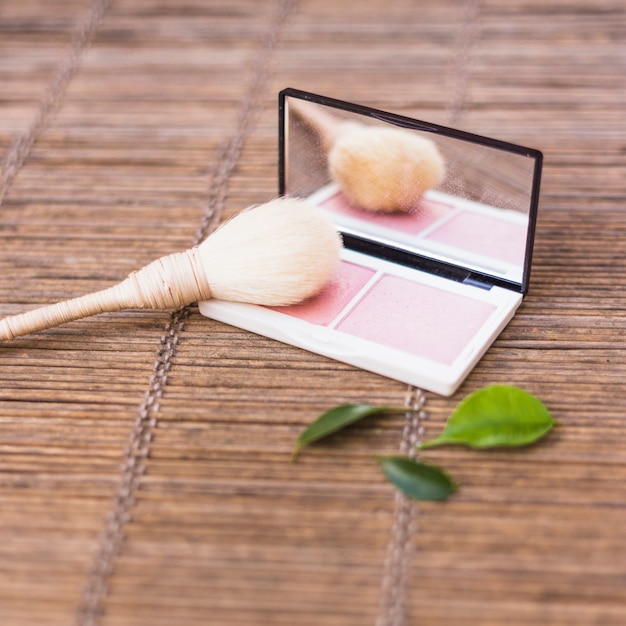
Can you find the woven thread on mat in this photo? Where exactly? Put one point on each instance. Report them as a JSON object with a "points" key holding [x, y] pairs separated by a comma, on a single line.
{"points": [[133, 465], [393, 610], [462, 66], [50, 103], [399, 549]]}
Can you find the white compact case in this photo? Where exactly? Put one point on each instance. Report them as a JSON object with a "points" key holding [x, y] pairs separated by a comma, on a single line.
{"points": [[420, 294]]}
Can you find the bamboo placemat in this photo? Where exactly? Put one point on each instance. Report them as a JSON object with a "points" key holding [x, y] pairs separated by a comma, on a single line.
{"points": [[144, 456]]}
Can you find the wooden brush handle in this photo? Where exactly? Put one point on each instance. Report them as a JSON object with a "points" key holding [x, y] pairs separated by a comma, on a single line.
{"points": [[60, 313], [315, 116], [168, 282]]}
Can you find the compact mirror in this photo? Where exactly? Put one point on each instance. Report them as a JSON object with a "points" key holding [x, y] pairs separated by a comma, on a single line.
{"points": [[437, 226], [426, 194]]}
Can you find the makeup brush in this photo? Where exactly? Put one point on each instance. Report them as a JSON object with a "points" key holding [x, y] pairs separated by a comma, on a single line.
{"points": [[278, 253], [380, 169]]}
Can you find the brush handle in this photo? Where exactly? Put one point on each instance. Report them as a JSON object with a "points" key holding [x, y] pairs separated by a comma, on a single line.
{"points": [[168, 282], [324, 124]]}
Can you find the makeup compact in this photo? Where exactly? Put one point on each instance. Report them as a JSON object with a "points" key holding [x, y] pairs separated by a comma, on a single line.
{"points": [[438, 227]]}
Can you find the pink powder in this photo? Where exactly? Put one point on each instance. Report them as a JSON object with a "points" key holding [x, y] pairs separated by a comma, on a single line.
{"points": [[427, 213], [324, 308], [418, 319], [481, 234]]}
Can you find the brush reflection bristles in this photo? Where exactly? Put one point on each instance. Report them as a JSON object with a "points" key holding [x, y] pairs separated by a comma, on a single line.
{"points": [[378, 168]]}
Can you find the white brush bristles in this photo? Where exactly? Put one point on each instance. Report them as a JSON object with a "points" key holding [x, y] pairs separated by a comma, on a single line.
{"points": [[277, 254], [385, 169]]}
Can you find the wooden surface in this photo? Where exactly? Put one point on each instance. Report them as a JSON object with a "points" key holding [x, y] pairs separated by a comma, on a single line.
{"points": [[144, 456]]}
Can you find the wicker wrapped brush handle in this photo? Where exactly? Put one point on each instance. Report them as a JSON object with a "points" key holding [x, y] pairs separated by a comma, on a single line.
{"points": [[168, 282]]}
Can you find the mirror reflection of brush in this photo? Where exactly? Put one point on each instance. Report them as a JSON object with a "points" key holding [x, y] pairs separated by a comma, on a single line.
{"points": [[380, 169], [278, 253]]}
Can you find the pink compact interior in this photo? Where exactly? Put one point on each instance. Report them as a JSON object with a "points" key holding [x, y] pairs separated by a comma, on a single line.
{"points": [[396, 312]]}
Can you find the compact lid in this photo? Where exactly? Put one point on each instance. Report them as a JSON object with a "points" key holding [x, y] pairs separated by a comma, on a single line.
{"points": [[421, 194]]}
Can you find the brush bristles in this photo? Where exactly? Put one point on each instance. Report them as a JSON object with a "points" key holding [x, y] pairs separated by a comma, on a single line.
{"points": [[276, 254]]}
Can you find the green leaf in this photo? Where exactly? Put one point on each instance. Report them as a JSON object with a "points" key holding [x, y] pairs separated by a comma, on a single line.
{"points": [[495, 416], [335, 419], [415, 479]]}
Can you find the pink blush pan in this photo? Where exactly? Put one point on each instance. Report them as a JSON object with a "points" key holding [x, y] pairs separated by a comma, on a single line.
{"points": [[326, 306], [417, 318], [481, 234]]}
